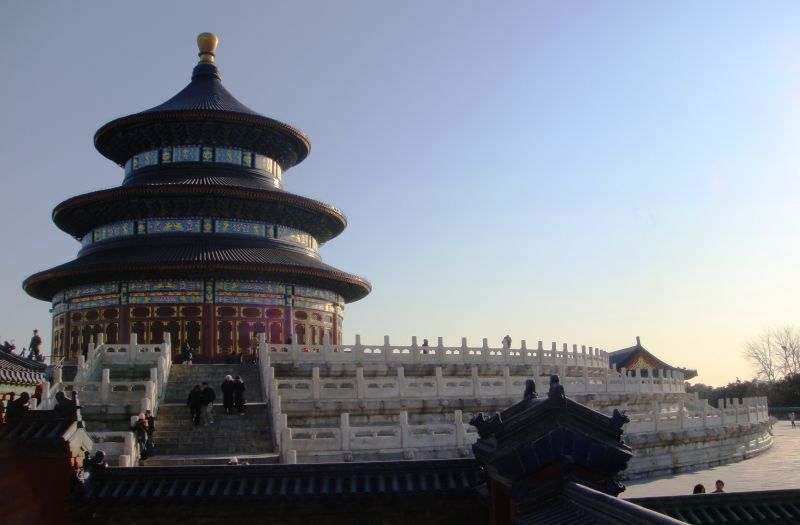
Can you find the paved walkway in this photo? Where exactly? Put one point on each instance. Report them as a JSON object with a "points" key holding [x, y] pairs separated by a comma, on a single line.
{"points": [[779, 468]]}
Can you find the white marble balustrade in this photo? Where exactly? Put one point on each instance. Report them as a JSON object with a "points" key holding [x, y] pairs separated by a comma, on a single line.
{"points": [[449, 386], [359, 353], [399, 436], [698, 414], [118, 446]]}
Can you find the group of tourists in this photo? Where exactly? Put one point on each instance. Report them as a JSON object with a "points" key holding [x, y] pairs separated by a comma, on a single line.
{"points": [[201, 400], [701, 489]]}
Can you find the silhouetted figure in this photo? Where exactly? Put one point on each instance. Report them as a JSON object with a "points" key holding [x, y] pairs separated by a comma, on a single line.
{"points": [[227, 393], [208, 404], [65, 408], [186, 352], [699, 489], [238, 394], [18, 408], [530, 389], [195, 403], [719, 486], [34, 345]]}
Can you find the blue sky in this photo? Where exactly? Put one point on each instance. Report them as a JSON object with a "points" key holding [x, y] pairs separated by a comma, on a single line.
{"points": [[578, 172]]}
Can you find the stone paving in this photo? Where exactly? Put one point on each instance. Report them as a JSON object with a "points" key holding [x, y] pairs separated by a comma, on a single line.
{"points": [[779, 468]]}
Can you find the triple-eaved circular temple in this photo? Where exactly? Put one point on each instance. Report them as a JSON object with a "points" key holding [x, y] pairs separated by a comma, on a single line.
{"points": [[200, 241]]}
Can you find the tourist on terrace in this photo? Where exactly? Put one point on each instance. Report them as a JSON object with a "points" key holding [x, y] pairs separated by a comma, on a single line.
{"points": [[34, 345], [186, 353], [195, 403], [238, 394], [507, 342], [720, 485], [208, 404], [140, 432], [151, 427], [227, 393], [791, 418], [699, 489]]}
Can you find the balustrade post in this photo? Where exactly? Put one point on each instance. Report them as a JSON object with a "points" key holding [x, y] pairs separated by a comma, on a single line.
{"points": [[440, 349], [326, 343], [656, 414], [539, 352], [624, 374], [681, 413], [315, 383], [554, 352], [134, 339], [565, 354], [439, 381], [129, 443], [586, 386], [344, 430], [361, 385], [523, 352], [736, 405], [476, 381], [461, 432], [705, 414], [167, 342], [402, 386], [405, 431], [606, 380], [105, 385], [507, 380]]}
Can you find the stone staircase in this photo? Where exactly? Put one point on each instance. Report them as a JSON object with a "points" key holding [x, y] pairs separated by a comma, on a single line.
{"points": [[179, 442]]}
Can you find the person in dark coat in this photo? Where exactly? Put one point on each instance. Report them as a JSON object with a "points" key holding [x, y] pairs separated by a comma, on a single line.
{"points": [[208, 404], [238, 394], [151, 427], [186, 352], [195, 404], [65, 407], [18, 408], [140, 431], [227, 394]]}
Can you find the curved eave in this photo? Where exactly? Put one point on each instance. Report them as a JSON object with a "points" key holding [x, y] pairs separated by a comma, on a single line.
{"points": [[112, 144], [44, 285], [79, 214]]}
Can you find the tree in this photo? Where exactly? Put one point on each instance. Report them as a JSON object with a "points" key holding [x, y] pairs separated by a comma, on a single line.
{"points": [[774, 353]]}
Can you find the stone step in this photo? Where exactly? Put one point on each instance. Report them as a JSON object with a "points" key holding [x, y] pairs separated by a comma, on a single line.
{"points": [[210, 459]]}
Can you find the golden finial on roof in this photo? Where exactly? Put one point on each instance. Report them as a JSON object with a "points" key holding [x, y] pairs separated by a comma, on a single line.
{"points": [[207, 44]]}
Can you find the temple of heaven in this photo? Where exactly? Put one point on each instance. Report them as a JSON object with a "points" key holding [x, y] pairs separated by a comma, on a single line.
{"points": [[200, 241]]}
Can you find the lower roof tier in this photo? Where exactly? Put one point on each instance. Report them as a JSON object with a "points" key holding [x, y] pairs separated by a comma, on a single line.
{"points": [[80, 214], [197, 259]]}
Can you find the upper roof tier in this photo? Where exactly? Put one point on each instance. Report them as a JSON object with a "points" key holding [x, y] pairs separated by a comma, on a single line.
{"points": [[205, 113]]}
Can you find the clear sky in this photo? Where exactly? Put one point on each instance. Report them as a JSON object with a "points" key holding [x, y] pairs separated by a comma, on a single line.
{"points": [[580, 172]]}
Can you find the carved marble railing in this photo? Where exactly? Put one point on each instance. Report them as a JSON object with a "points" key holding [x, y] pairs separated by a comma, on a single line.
{"points": [[117, 445], [402, 435], [474, 385], [415, 354], [99, 357], [694, 413]]}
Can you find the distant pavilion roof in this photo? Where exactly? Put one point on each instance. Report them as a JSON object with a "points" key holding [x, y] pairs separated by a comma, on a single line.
{"points": [[626, 357]]}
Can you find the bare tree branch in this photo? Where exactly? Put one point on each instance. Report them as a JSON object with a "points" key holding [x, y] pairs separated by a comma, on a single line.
{"points": [[764, 354]]}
